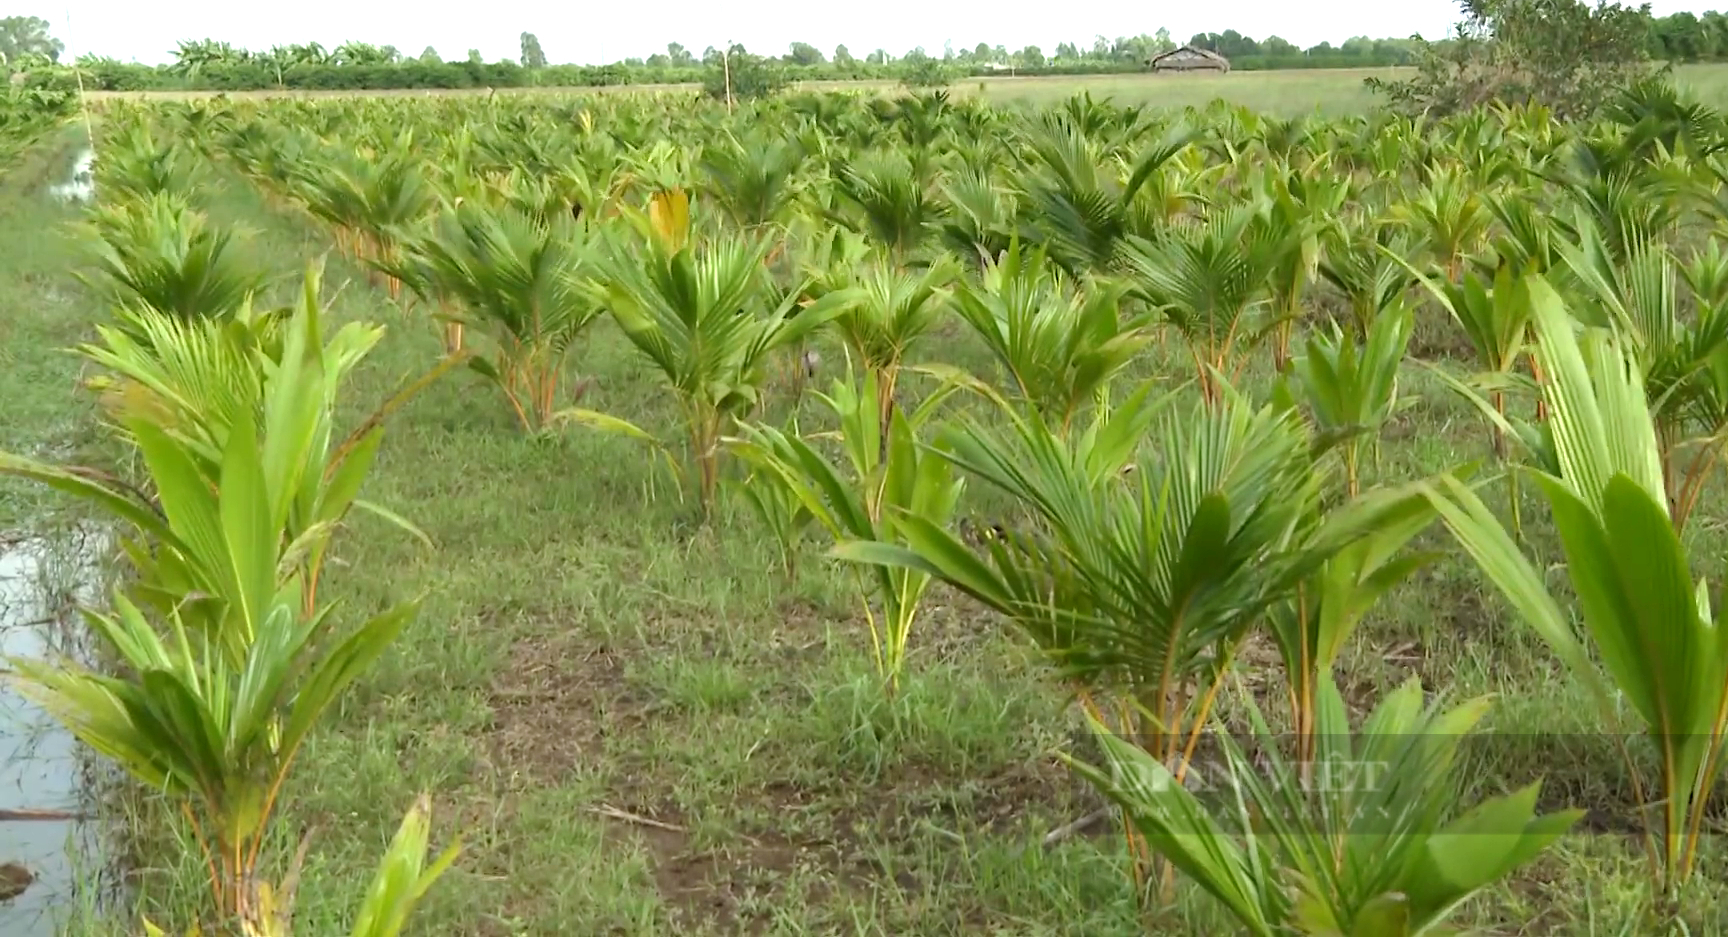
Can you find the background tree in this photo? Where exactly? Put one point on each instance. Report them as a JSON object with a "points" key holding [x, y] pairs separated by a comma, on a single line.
{"points": [[532, 55], [1565, 54], [429, 56], [843, 56], [1276, 47], [679, 55], [28, 35], [193, 56], [310, 53], [362, 53], [749, 76], [803, 53]]}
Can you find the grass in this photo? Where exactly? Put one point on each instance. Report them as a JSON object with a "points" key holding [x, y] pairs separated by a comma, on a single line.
{"points": [[639, 727], [43, 308], [1331, 91]]}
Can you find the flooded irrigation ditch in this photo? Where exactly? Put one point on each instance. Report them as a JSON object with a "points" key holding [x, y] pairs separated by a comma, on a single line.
{"points": [[52, 866], [50, 861]]}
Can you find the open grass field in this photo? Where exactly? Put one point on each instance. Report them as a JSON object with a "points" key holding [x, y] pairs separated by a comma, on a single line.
{"points": [[639, 725], [1330, 91]]}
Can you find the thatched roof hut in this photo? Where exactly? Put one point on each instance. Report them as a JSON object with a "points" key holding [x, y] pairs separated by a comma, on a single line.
{"points": [[1189, 59]]}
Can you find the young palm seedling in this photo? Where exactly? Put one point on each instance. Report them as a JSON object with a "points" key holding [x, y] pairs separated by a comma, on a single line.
{"points": [[1497, 323], [1211, 279], [886, 478], [402, 879], [1139, 585], [194, 380], [1367, 265], [228, 658], [133, 164], [1312, 626], [1362, 840], [884, 198], [521, 280], [696, 309], [752, 178], [1082, 205], [1308, 204], [1060, 346], [1682, 354], [891, 311], [1351, 387], [159, 252], [1447, 213], [1660, 649]]}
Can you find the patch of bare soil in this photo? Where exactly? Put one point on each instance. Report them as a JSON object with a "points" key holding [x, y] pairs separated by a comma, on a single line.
{"points": [[562, 697], [555, 703], [711, 890], [724, 889]]}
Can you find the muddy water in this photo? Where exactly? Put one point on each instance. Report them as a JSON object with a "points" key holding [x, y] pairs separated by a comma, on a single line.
{"points": [[80, 186], [42, 772]]}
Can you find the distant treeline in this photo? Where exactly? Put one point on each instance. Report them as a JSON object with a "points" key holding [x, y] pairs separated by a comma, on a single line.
{"points": [[411, 74], [215, 66], [1688, 37], [208, 65]]}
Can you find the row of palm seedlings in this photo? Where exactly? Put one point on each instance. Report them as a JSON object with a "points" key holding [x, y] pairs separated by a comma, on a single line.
{"points": [[217, 655], [1149, 522]]}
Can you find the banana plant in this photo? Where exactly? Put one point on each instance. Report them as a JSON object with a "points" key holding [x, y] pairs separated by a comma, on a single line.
{"points": [[1364, 840], [1351, 387], [887, 475], [1060, 346], [1657, 649], [523, 281], [160, 252]]}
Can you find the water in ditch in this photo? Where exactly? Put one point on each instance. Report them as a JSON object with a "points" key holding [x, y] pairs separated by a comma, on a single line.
{"points": [[80, 186], [53, 869], [47, 847]]}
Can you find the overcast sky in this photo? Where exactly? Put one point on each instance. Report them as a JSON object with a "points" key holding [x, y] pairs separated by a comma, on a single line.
{"points": [[587, 32]]}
